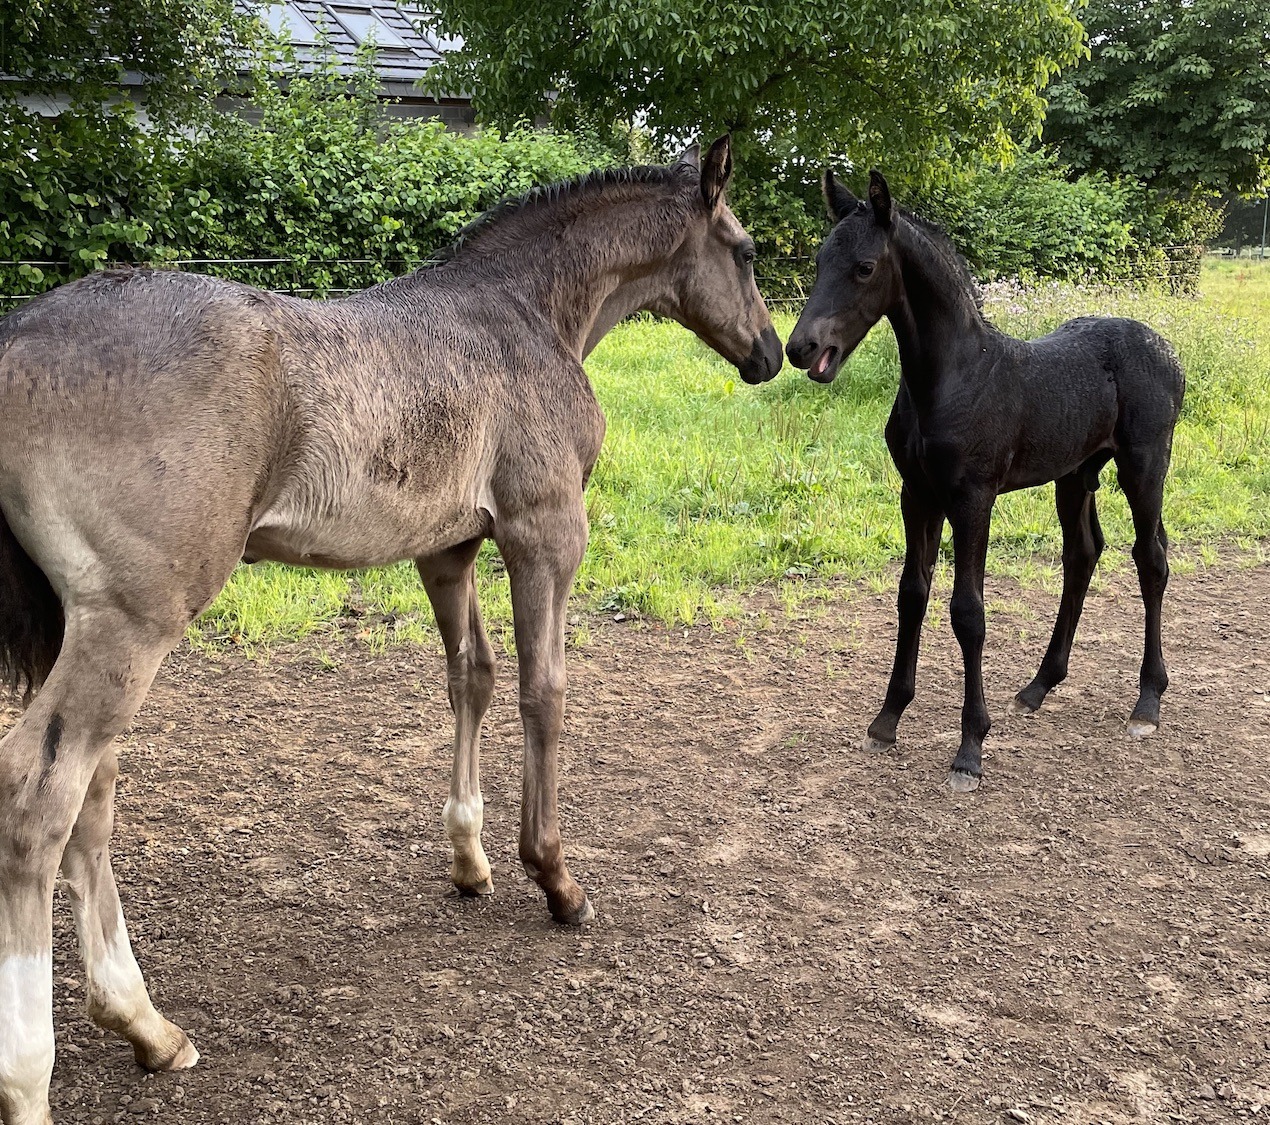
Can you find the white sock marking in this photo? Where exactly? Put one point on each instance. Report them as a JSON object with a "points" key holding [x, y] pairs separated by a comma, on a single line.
{"points": [[26, 1031]]}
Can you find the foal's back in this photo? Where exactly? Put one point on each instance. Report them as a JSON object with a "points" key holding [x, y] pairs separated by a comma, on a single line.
{"points": [[1093, 385]]}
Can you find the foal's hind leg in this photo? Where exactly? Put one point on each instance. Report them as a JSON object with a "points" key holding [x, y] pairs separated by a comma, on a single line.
{"points": [[1082, 546], [47, 762], [923, 522], [117, 996], [542, 549], [1141, 474], [470, 674]]}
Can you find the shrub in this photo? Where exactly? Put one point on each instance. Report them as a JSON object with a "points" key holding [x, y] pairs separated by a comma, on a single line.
{"points": [[1029, 220], [319, 175]]}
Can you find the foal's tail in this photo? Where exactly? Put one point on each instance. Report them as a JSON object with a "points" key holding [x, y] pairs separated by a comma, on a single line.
{"points": [[31, 620]]}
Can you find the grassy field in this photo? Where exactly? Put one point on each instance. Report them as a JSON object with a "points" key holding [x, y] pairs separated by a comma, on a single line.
{"points": [[707, 487]]}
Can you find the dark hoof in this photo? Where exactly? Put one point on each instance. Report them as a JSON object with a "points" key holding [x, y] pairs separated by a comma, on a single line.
{"points": [[579, 917], [961, 782], [874, 745], [1020, 706], [475, 890], [1141, 728]]}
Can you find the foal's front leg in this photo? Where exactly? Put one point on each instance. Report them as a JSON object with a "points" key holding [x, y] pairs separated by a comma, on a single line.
{"points": [[923, 523], [970, 518], [542, 550], [469, 663]]}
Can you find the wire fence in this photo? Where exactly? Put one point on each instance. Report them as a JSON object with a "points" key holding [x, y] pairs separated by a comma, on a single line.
{"points": [[785, 282]]}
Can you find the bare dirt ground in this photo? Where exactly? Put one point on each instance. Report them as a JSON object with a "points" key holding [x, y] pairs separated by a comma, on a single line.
{"points": [[788, 931]]}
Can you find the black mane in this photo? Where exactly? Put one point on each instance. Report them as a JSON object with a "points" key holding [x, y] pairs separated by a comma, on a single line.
{"points": [[944, 246]]}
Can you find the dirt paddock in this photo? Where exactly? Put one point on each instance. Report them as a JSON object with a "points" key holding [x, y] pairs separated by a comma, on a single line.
{"points": [[788, 931]]}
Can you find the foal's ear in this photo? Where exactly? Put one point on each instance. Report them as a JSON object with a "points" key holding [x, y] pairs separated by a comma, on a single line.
{"points": [[716, 171], [880, 198], [691, 156], [838, 198]]}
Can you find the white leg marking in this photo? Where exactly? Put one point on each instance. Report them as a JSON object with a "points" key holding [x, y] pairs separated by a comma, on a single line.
{"points": [[118, 1000], [116, 990], [463, 817], [26, 1035]]}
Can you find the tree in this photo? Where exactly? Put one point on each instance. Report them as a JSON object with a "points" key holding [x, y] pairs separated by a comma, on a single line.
{"points": [[919, 84], [184, 51], [90, 183], [1176, 94]]}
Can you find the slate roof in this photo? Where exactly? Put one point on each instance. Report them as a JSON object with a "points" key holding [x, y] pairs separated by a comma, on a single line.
{"points": [[403, 53]]}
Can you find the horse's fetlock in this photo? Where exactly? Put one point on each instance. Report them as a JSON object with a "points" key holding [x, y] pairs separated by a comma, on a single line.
{"points": [[540, 860]]}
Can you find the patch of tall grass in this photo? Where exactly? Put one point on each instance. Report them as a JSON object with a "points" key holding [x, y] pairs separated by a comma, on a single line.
{"points": [[707, 487]]}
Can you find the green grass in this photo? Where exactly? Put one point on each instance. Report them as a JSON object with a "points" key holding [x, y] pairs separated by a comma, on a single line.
{"points": [[707, 487]]}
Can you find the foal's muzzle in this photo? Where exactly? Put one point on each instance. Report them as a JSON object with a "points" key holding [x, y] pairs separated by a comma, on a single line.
{"points": [[764, 360], [810, 348]]}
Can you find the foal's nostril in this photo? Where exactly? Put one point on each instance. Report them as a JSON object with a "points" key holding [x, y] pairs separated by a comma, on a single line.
{"points": [[800, 352]]}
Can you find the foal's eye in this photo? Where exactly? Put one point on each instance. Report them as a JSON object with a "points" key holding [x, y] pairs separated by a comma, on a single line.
{"points": [[864, 269], [747, 257]]}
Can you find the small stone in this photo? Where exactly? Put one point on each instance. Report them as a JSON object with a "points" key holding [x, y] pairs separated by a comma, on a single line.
{"points": [[1206, 1093], [1020, 1115]]}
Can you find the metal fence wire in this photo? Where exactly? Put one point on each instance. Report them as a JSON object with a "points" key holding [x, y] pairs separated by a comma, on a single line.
{"points": [[785, 282]]}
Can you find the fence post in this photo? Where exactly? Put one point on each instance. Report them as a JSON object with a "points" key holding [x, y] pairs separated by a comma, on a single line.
{"points": [[1265, 218]]}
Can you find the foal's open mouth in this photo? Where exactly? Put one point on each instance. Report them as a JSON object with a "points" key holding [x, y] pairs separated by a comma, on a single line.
{"points": [[825, 366]]}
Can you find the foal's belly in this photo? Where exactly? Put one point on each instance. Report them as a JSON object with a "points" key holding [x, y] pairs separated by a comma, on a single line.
{"points": [[1036, 465], [365, 527]]}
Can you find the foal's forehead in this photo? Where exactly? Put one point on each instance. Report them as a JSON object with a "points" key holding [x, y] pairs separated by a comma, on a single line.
{"points": [[853, 234]]}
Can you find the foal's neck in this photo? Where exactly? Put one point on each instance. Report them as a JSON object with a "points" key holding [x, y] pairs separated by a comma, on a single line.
{"points": [[937, 321], [591, 262]]}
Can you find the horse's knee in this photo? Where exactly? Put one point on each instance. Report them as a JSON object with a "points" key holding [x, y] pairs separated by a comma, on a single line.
{"points": [[1080, 557], [542, 692], [914, 589], [1151, 558], [966, 611]]}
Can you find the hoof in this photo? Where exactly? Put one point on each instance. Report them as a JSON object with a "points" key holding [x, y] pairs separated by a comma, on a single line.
{"points": [[1141, 728], [961, 782], [580, 917], [474, 890], [1018, 707], [874, 745], [173, 1052]]}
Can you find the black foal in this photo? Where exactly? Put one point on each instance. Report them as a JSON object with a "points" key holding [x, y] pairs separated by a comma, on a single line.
{"points": [[979, 413]]}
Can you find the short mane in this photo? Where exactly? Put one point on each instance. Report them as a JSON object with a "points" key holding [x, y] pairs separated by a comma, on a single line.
{"points": [[947, 250], [681, 175]]}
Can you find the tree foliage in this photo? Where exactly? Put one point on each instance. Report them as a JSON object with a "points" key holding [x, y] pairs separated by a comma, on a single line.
{"points": [[94, 182], [1174, 93], [182, 51], [318, 178], [1036, 219], [808, 78]]}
